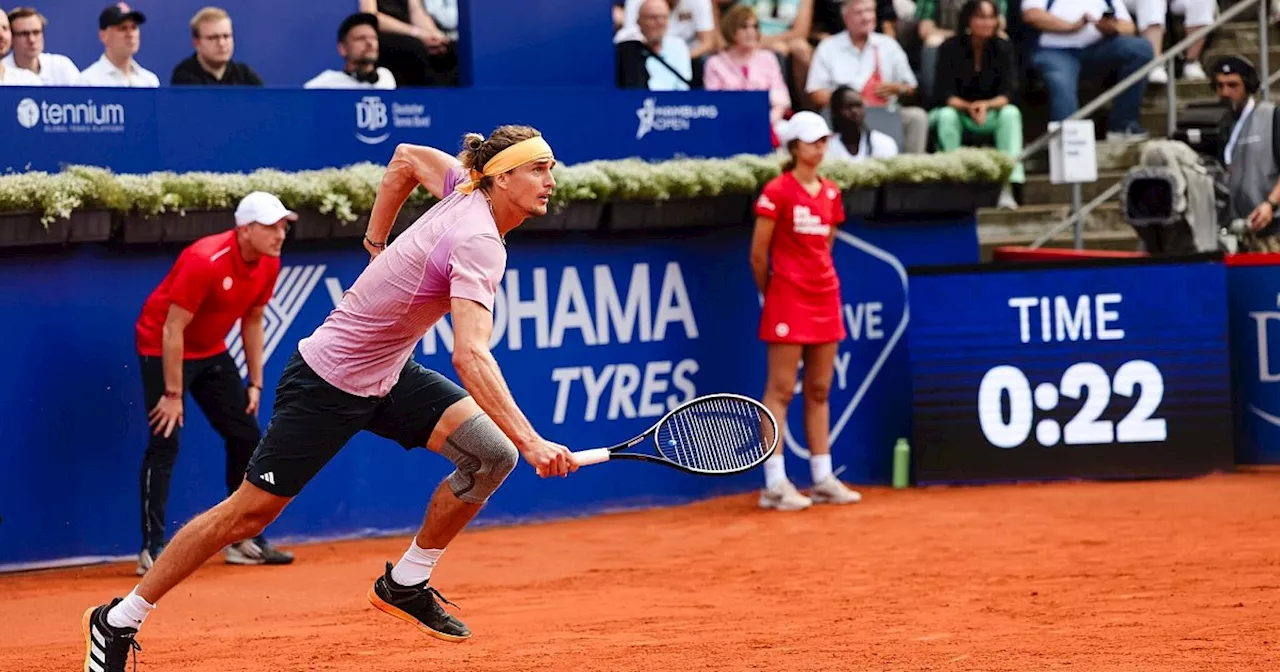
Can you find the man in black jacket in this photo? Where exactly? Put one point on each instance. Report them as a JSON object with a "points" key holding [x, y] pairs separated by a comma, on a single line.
{"points": [[211, 65]]}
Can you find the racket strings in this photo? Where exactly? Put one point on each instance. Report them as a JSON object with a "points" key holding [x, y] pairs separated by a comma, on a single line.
{"points": [[721, 434]]}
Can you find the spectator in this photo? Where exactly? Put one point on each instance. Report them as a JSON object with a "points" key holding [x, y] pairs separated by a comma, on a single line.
{"points": [[655, 60], [785, 26], [691, 21], [445, 15], [870, 63], [853, 139], [358, 47], [977, 81], [28, 27], [1098, 36], [211, 64], [745, 65], [936, 22], [1250, 151], [11, 76], [410, 44], [118, 28], [827, 19], [1151, 15]]}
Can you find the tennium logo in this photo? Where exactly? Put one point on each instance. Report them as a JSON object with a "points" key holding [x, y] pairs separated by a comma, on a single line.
{"points": [[86, 117]]}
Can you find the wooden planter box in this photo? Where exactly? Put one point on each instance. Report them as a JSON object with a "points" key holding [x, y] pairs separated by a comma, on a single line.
{"points": [[21, 229], [312, 225], [861, 202], [937, 197], [575, 216], [173, 227], [729, 210]]}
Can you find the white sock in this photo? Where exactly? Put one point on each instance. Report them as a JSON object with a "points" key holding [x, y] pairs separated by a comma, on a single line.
{"points": [[775, 471], [416, 564], [130, 613], [820, 467]]}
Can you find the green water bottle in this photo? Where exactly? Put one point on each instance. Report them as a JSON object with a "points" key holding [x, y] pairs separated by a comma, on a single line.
{"points": [[901, 464]]}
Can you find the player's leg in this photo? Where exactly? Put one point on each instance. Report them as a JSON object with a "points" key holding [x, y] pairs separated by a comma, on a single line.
{"points": [[222, 395], [157, 466], [429, 409], [819, 368], [780, 385], [310, 423]]}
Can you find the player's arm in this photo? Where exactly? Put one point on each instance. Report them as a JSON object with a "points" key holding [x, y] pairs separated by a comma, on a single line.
{"points": [[480, 375], [410, 166], [253, 335], [760, 240]]}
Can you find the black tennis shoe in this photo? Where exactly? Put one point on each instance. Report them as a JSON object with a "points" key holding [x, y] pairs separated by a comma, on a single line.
{"points": [[417, 605], [106, 648]]}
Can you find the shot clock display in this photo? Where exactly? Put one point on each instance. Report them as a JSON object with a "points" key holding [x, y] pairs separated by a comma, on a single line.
{"points": [[1093, 368]]}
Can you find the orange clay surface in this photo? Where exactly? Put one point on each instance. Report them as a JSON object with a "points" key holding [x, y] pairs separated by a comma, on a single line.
{"points": [[1170, 575]]}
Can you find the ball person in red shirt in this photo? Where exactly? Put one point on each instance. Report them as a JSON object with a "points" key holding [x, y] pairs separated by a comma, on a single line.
{"points": [[796, 217], [181, 336]]}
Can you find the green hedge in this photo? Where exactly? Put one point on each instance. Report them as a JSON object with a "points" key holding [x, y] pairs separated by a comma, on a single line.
{"points": [[348, 192]]}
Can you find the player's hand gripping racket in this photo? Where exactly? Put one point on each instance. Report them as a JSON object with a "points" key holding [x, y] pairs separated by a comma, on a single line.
{"points": [[717, 434]]}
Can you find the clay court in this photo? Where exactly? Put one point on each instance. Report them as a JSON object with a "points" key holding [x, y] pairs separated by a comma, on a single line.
{"points": [[1158, 575]]}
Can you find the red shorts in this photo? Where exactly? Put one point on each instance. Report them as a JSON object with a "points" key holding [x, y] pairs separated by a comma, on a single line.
{"points": [[793, 315]]}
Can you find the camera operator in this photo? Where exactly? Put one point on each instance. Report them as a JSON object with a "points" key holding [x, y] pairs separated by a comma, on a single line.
{"points": [[1251, 153]]}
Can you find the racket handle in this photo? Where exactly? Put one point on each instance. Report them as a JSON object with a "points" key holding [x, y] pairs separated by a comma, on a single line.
{"points": [[593, 456]]}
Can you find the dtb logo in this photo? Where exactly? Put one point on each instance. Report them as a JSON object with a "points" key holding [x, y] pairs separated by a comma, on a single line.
{"points": [[371, 117]]}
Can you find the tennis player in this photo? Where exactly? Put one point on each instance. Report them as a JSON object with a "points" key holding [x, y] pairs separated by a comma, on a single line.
{"points": [[796, 218], [356, 372]]}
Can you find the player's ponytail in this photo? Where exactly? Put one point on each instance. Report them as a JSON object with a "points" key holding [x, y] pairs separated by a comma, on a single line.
{"points": [[477, 149]]}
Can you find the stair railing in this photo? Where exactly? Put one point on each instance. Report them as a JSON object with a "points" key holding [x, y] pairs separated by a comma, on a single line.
{"points": [[1080, 212]]}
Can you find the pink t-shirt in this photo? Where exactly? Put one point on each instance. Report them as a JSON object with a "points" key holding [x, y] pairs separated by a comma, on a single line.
{"points": [[453, 250]]}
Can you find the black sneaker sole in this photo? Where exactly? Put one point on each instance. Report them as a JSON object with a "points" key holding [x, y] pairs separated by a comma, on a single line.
{"points": [[388, 608]]}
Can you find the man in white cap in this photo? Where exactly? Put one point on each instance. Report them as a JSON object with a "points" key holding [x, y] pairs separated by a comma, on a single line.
{"points": [[181, 338]]}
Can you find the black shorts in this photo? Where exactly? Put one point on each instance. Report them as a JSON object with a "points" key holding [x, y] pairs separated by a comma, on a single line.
{"points": [[312, 420]]}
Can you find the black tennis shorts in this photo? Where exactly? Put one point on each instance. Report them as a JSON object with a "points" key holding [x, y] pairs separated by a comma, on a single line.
{"points": [[312, 420]]}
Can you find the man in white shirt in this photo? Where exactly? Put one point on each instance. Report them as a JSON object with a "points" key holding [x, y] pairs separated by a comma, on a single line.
{"points": [[870, 63], [118, 28], [693, 22], [10, 76], [28, 50], [358, 47], [640, 69], [1098, 37]]}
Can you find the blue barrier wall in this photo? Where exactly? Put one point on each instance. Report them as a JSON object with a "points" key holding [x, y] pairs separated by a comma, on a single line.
{"points": [[597, 337], [210, 129], [290, 41], [1254, 313]]}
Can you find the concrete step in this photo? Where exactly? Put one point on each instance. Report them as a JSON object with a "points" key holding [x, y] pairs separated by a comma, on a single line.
{"points": [[1244, 34], [1039, 191], [1030, 221], [1126, 241], [1222, 48]]}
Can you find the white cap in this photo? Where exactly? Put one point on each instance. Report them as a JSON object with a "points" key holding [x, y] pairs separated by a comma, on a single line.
{"points": [[262, 208], [805, 126]]}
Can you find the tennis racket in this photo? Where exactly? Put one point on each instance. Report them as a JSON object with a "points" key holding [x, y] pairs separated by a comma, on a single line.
{"points": [[712, 435]]}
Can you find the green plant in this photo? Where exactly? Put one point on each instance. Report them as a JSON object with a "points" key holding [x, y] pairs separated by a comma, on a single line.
{"points": [[347, 193]]}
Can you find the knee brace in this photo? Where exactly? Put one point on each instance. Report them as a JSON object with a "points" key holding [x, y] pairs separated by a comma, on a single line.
{"points": [[483, 456]]}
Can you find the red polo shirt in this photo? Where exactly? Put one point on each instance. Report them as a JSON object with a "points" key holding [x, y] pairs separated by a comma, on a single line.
{"points": [[212, 281]]}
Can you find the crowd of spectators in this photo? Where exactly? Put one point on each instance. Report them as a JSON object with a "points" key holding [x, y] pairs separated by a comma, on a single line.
{"points": [[907, 76], [388, 43]]}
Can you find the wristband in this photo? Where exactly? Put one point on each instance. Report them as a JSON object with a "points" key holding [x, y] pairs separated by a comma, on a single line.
{"points": [[255, 386], [377, 245], [172, 395]]}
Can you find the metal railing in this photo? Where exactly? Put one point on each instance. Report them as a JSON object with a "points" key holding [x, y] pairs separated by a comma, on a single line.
{"points": [[1080, 212]]}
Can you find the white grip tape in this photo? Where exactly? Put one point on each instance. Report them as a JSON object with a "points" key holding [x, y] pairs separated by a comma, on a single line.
{"points": [[593, 456]]}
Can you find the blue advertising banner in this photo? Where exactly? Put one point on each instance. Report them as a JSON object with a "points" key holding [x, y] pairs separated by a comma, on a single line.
{"points": [[1253, 282], [1084, 369], [597, 337], [231, 130]]}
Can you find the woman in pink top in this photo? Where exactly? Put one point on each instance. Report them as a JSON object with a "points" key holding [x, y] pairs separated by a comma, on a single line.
{"points": [[745, 65]]}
